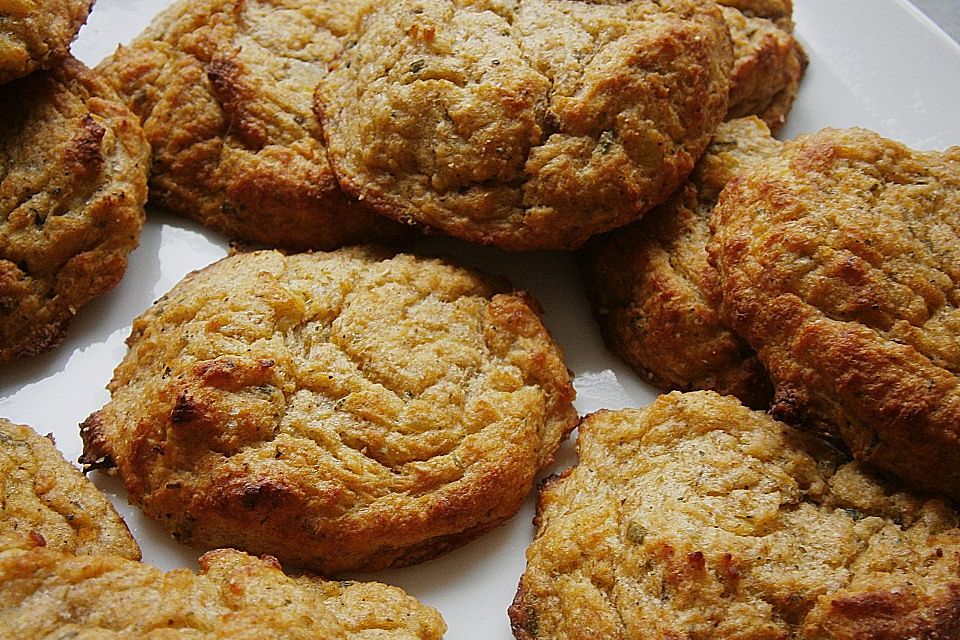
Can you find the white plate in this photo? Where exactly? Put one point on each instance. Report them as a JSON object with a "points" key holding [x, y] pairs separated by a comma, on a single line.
{"points": [[879, 64]]}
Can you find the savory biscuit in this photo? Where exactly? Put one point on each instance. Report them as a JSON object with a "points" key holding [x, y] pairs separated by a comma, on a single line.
{"points": [[224, 89], [657, 298], [768, 61], [36, 34], [46, 502], [73, 165], [697, 518], [348, 410], [45, 594], [527, 125], [839, 262]]}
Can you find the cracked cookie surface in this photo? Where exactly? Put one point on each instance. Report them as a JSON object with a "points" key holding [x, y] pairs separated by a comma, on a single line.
{"points": [[526, 124], [839, 263], [73, 165], [46, 594], [46, 502], [656, 297], [349, 410], [36, 34], [224, 89], [697, 518]]}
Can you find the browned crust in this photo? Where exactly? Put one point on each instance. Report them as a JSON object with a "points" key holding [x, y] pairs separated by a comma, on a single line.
{"points": [[391, 408], [889, 615], [856, 239], [233, 148], [40, 37], [46, 502], [46, 594], [655, 296], [769, 64], [696, 518], [73, 165], [510, 141]]}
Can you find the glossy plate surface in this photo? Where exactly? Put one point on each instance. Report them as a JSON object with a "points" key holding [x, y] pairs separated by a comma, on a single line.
{"points": [[878, 64]]}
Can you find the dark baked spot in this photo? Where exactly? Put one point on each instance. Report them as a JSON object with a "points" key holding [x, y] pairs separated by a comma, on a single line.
{"points": [[266, 493], [185, 408], [96, 449], [83, 153]]}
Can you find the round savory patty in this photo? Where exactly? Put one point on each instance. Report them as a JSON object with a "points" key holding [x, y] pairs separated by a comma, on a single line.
{"points": [[697, 518], [45, 594], [36, 34], [528, 125], [224, 89], [768, 61], [656, 297], [348, 410], [839, 263], [46, 502], [73, 165]]}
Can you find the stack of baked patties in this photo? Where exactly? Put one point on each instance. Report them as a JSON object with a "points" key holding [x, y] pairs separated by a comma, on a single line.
{"points": [[817, 279], [821, 275], [356, 408]]}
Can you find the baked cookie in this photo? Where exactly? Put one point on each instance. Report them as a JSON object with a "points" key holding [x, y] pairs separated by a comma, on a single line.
{"points": [[527, 125], [46, 502], [657, 298], [839, 263], [768, 61], [348, 410], [45, 594], [73, 165], [224, 89], [36, 34], [697, 518]]}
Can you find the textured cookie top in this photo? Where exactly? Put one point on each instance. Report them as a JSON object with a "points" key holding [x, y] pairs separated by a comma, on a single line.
{"points": [[656, 297], [224, 89], [840, 264], [341, 410], [36, 34], [46, 502], [44, 594], [526, 124], [768, 63], [73, 166], [697, 518]]}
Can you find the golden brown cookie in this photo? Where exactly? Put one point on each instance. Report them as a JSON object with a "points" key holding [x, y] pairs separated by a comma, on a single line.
{"points": [[224, 89], [768, 61], [839, 263], [46, 502], [45, 594], [348, 410], [36, 34], [654, 294], [73, 166], [697, 518], [527, 125]]}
